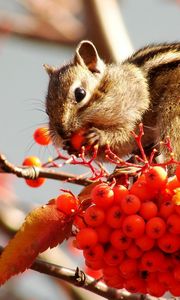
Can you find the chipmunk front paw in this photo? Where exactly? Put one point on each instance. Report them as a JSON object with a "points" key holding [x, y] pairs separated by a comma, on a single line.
{"points": [[93, 136]]}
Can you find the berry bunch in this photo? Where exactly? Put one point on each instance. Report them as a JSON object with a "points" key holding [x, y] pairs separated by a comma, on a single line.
{"points": [[133, 235]]}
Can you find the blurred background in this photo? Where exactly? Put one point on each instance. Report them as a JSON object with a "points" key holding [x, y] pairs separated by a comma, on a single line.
{"points": [[34, 32]]}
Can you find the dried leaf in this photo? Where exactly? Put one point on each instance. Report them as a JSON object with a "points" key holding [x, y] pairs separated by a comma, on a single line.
{"points": [[44, 227]]}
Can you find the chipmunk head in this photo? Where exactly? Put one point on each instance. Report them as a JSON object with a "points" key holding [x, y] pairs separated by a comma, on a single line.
{"points": [[70, 89]]}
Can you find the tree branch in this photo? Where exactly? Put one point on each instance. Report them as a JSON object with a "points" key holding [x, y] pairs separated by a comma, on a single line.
{"points": [[35, 172], [78, 278]]}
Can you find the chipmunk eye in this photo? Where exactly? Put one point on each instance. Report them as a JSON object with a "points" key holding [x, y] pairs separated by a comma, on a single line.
{"points": [[80, 94]]}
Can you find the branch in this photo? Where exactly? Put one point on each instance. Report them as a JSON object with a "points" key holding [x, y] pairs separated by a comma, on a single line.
{"points": [[78, 278], [35, 172]]}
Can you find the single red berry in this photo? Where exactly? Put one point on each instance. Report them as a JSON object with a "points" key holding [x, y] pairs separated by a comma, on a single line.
{"points": [[95, 265], [33, 161], [152, 261], [134, 285], [86, 238], [169, 243], [94, 216], [94, 253], [116, 282], [119, 240], [67, 203], [77, 139], [128, 268], [41, 136], [165, 278], [156, 288], [166, 209], [110, 271], [141, 189], [155, 227], [133, 226], [102, 195], [173, 223], [174, 289], [35, 182], [96, 274], [156, 177], [148, 210], [130, 204], [103, 232], [114, 217], [145, 243], [134, 251], [113, 256], [120, 191]]}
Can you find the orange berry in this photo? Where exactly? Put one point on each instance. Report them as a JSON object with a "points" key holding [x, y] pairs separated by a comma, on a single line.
{"points": [[120, 191], [172, 184], [145, 243], [169, 243], [152, 260], [148, 210], [119, 240], [41, 136], [113, 256], [67, 203], [133, 226], [77, 139], [134, 251], [114, 217], [102, 195], [33, 161], [130, 204], [155, 227], [103, 232], [128, 268], [173, 223], [94, 253], [86, 238], [94, 216], [141, 189], [96, 274], [166, 209], [156, 177]]}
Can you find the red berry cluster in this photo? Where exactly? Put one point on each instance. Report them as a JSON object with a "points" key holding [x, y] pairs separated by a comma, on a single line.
{"points": [[133, 235]]}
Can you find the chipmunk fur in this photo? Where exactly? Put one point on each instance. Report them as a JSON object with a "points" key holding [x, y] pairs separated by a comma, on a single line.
{"points": [[110, 100]]}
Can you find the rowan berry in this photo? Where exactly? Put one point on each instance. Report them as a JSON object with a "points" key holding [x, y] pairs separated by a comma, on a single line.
{"points": [[141, 190], [134, 285], [174, 289], [114, 217], [156, 177], [102, 195], [169, 243], [145, 243], [120, 191], [134, 251], [128, 268], [113, 256], [103, 232], [173, 223], [156, 288], [95, 265], [172, 184], [148, 210], [86, 238], [119, 240], [77, 139], [165, 278], [94, 253], [96, 274], [152, 260], [67, 203], [133, 226], [33, 161], [130, 204], [94, 216], [116, 282], [166, 209], [41, 136], [155, 227]]}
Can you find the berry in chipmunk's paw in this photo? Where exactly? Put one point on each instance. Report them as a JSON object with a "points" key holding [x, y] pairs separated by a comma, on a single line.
{"points": [[77, 139]]}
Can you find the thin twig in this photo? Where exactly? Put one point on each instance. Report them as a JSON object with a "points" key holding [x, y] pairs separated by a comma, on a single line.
{"points": [[36, 172]]}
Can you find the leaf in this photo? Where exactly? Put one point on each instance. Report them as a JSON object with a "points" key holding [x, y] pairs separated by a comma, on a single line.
{"points": [[44, 227]]}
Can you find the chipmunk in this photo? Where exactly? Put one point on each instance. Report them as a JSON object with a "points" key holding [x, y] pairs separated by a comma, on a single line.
{"points": [[110, 100]]}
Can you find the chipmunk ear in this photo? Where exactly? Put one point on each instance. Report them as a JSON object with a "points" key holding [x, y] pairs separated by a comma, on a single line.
{"points": [[49, 69], [86, 54]]}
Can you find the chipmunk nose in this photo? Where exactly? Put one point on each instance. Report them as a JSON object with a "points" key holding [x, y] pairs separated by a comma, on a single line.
{"points": [[62, 132]]}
